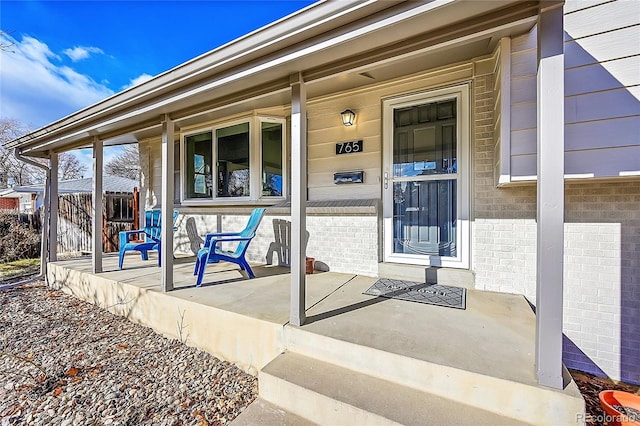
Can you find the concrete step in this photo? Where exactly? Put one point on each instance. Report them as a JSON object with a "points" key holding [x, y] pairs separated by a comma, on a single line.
{"points": [[522, 402], [328, 394], [261, 412], [435, 275]]}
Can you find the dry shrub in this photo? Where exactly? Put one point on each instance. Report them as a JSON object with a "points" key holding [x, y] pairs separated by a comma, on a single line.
{"points": [[18, 240]]}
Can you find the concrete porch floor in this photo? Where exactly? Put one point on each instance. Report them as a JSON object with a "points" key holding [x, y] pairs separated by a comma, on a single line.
{"points": [[490, 345]]}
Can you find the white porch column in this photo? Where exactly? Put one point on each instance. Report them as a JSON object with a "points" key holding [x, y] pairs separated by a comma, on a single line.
{"points": [[96, 228], [550, 214], [166, 234], [298, 198], [53, 211]]}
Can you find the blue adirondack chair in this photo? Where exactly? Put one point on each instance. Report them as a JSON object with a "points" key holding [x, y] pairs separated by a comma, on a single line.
{"points": [[212, 251], [148, 238]]}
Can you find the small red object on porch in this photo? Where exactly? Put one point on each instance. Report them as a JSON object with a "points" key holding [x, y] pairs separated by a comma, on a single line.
{"points": [[309, 266], [621, 408]]}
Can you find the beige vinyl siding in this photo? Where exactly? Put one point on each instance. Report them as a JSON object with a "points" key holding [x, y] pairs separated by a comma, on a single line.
{"points": [[583, 19], [325, 130], [523, 106], [501, 112], [602, 47], [571, 6], [602, 92], [585, 78], [602, 96]]}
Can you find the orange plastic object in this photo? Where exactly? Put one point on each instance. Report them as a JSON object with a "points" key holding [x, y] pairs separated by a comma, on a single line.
{"points": [[309, 265], [609, 398]]}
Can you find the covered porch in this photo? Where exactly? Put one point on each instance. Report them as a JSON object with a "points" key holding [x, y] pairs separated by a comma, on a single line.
{"points": [[478, 362], [496, 356]]}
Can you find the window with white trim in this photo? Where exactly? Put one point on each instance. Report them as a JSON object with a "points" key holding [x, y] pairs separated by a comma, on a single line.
{"points": [[234, 162]]}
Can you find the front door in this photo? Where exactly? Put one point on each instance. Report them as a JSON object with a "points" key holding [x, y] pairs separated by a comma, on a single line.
{"points": [[423, 181]]}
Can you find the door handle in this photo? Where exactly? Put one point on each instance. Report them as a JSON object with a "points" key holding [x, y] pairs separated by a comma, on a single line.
{"points": [[386, 180]]}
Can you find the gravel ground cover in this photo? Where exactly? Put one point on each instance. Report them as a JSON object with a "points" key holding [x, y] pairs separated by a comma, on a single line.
{"points": [[67, 362]]}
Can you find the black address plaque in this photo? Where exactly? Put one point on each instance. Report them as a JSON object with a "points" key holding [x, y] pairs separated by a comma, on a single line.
{"points": [[350, 147]]}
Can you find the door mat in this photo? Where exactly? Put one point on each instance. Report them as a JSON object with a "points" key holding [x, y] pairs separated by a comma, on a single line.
{"points": [[432, 294]]}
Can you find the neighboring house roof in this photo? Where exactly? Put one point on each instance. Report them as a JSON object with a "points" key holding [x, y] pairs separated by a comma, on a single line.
{"points": [[12, 193], [8, 193], [110, 184]]}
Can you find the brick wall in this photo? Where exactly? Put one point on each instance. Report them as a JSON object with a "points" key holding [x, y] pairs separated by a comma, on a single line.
{"points": [[349, 246], [504, 228], [602, 254], [9, 203], [602, 278]]}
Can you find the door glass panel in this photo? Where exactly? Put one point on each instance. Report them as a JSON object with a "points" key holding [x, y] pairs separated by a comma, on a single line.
{"points": [[424, 217], [233, 160], [424, 141], [425, 179]]}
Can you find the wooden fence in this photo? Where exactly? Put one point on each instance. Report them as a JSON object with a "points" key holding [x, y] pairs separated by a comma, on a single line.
{"points": [[120, 212]]}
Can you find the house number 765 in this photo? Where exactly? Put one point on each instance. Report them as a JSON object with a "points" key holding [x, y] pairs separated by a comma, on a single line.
{"points": [[348, 147]]}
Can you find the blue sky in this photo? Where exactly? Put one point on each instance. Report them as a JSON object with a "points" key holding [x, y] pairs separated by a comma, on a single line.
{"points": [[67, 55]]}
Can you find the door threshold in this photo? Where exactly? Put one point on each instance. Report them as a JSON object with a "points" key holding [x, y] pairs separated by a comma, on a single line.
{"points": [[431, 274]]}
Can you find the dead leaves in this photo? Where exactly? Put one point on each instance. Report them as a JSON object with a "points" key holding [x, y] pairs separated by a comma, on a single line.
{"points": [[15, 410], [74, 377], [199, 415]]}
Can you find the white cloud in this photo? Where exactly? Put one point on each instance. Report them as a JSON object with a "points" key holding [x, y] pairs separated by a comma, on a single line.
{"points": [[138, 80], [37, 90], [79, 53]]}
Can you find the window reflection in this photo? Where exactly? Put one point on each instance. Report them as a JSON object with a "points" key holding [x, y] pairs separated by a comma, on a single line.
{"points": [[233, 160]]}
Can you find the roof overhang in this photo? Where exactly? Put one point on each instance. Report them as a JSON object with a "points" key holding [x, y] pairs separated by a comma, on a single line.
{"points": [[334, 45]]}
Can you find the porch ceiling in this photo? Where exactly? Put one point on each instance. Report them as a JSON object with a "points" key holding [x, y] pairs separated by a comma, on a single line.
{"points": [[334, 55]]}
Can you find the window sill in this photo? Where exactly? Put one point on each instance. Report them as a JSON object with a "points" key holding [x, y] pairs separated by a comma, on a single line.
{"points": [[282, 207], [236, 202], [368, 207]]}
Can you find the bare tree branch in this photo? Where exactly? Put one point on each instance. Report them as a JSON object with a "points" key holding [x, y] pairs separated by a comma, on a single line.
{"points": [[69, 167], [15, 172], [126, 164]]}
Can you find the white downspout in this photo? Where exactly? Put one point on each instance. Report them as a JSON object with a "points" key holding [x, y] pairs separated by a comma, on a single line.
{"points": [[44, 250]]}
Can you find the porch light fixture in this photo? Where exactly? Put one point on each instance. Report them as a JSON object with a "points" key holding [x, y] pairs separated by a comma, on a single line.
{"points": [[348, 117]]}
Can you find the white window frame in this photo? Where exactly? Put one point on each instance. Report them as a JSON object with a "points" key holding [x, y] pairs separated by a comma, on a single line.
{"points": [[283, 123], [255, 163], [463, 239]]}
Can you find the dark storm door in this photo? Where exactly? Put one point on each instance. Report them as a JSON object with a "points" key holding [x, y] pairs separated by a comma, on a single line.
{"points": [[423, 179]]}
